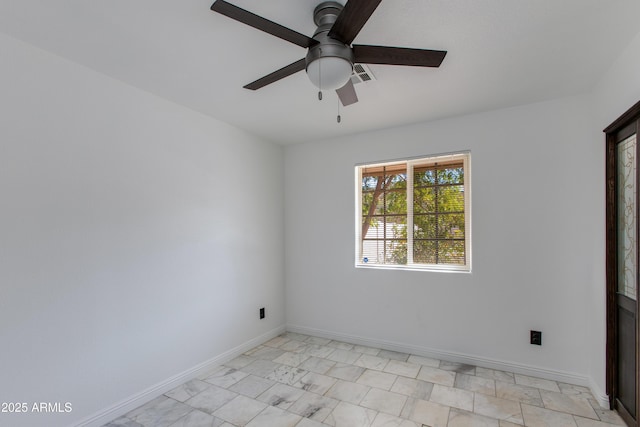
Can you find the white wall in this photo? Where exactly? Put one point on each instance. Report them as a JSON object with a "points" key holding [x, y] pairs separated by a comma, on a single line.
{"points": [[617, 91], [130, 248], [533, 236]]}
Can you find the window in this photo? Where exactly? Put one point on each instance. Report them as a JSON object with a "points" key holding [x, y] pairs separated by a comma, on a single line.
{"points": [[429, 196]]}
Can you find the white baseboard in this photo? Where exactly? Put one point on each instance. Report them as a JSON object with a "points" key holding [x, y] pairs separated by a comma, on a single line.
{"points": [[115, 411], [449, 356]]}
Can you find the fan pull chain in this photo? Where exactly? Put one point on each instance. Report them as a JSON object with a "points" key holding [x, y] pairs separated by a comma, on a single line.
{"points": [[320, 77], [339, 119]]}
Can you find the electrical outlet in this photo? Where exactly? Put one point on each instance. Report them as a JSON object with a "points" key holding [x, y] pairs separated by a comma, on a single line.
{"points": [[536, 337], [262, 314]]}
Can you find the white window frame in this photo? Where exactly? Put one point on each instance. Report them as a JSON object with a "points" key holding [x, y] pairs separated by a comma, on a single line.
{"points": [[465, 156]]}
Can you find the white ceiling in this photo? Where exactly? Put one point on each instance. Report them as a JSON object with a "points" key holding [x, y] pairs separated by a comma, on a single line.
{"points": [[501, 53]]}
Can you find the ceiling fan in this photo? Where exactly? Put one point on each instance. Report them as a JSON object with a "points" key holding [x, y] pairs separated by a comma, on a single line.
{"points": [[330, 57]]}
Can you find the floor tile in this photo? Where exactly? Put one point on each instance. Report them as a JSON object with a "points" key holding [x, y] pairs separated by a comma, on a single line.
{"points": [[372, 362], [261, 368], [346, 372], [313, 406], [319, 350], [306, 422], [286, 375], [294, 346], [377, 379], [437, 375], [537, 383], [123, 422], [454, 397], [425, 412], [349, 415], [520, 393], [425, 361], [274, 417], [251, 386], [267, 353], [458, 418], [386, 420], [348, 392], [475, 384], [291, 359], [344, 356], [493, 374], [500, 409], [317, 365], [340, 345], [277, 341], [574, 405], [211, 399], [316, 383], [540, 417], [417, 389], [587, 422], [239, 362], [226, 377], [197, 418], [240, 410], [187, 390], [281, 395], [366, 350], [304, 381], [395, 355], [405, 369], [318, 340], [160, 412], [384, 401], [458, 367]]}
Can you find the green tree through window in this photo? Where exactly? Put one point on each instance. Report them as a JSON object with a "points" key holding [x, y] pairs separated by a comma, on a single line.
{"points": [[427, 196]]}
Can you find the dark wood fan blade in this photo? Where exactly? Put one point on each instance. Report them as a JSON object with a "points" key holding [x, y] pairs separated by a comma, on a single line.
{"points": [[398, 56], [277, 75], [262, 24], [355, 14], [347, 94]]}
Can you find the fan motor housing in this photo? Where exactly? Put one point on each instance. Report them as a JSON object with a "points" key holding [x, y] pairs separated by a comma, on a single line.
{"points": [[324, 16]]}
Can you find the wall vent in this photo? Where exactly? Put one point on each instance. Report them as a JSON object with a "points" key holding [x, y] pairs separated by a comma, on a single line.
{"points": [[361, 74]]}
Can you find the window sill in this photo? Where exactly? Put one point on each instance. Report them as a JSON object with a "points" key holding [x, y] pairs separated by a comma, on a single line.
{"points": [[426, 268]]}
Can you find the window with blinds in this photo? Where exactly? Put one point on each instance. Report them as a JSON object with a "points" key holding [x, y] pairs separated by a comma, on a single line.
{"points": [[414, 213]]}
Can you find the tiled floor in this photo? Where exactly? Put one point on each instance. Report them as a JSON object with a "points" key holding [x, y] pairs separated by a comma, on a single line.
{"points": [[303, 381]]}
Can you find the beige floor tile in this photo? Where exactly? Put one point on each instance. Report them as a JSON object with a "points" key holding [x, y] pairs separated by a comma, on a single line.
{"points": [[386, 420], [372, 362], [240, 410], [537, 383], [316, 383], [313, 406], [493, 374], [377, 379], [541, 417], [500, 409], [519, 393], [425, 412], [274, 417], [424, 361], [349, 415], [437, 376], [475, 384], [454, 397], [281, 395], [348, 392], [417, 389], [458, 418], [405, 369], [574, 405], [384, 401]]}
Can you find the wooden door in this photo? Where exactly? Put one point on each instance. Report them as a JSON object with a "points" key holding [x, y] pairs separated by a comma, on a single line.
{"points": [[623, 256]]}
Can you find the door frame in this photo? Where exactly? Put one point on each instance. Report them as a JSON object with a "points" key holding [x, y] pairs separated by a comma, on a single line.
{"points": [[627, 119]]}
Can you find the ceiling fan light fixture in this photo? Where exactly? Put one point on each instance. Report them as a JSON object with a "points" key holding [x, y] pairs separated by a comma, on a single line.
{"points": [[329, 73]]}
